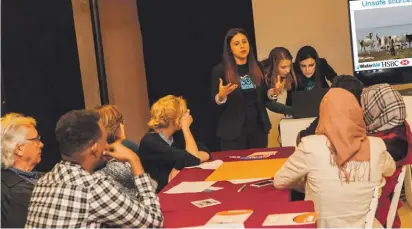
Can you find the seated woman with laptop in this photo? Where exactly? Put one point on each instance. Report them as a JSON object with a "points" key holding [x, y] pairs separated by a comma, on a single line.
{"points": [[311, 71], [340, 165]]}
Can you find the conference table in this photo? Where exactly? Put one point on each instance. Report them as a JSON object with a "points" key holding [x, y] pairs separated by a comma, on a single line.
{"points": [[179, 212]]}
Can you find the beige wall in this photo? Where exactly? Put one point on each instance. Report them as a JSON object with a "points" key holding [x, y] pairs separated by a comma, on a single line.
{"points": [[87, 57], [123, 53], [323, 24]]}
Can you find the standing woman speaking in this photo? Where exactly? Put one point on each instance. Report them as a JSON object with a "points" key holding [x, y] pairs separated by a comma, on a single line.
{"points": [[239, 90]]}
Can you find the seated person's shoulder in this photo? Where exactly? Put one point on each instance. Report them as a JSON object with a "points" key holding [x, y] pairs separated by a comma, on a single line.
{"points": [[100, 177], [68, 174], [314, 138], [150, 138], [313, 143], [153, 146], [11, 180]]}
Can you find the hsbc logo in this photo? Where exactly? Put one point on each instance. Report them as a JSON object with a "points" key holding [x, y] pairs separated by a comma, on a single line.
{"points": [[404, 62], [390, 64]]}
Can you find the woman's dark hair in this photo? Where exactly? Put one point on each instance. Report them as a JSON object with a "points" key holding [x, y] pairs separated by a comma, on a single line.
{"points": [[229, 63], [77, 130], [304, 53], [275, 56]]}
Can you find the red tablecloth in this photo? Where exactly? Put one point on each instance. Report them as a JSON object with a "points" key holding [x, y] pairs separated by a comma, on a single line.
{"points": [[179, 212]]}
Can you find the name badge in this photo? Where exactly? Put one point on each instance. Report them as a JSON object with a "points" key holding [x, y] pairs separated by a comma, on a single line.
{"points": [[246, 83]]}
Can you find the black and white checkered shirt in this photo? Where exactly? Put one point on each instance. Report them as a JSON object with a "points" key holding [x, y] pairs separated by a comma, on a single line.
{"points": [[69, 196]]}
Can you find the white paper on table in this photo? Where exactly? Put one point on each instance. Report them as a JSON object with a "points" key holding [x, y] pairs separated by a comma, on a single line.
{"points": [[244, 181], [288, 219], [236, 217], [208, 165], [190, 187], [264, 154]]}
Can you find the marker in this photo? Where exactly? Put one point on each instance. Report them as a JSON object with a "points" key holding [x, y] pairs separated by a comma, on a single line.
{"points": [[241, 188]]}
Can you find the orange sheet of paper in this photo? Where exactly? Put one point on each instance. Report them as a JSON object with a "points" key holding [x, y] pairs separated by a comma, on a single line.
{"points": [[247, 169]]}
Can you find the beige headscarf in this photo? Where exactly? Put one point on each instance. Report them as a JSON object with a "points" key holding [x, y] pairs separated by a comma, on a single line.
{"points": [[341, 121]]}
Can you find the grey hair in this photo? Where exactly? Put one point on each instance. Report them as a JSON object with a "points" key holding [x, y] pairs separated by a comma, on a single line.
{"points": [[13, 132]]}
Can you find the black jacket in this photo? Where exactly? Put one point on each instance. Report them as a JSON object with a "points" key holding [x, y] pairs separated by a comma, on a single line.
{"points": [[232, 114], [159, 158], [15, 198]]}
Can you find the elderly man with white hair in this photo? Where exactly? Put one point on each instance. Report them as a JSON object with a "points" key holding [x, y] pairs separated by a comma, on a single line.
{"points": [[20, 153]]}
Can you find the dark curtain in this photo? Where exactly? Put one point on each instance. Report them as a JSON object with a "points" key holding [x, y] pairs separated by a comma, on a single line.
{"points": [[40, 66], [182, 41]]}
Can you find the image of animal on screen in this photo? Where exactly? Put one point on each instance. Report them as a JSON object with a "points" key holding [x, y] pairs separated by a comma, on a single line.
{"points": [[384, 33]]}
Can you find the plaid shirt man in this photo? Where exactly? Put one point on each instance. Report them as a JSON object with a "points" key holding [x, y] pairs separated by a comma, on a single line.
{"points": [[69, 196]]}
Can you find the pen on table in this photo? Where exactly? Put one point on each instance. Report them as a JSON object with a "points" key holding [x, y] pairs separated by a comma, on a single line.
{"points": [[246, 158], [241, 188]]}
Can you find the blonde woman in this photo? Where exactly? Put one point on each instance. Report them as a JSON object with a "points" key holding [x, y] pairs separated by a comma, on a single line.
{"points": [[280, 80], [161, 156]]}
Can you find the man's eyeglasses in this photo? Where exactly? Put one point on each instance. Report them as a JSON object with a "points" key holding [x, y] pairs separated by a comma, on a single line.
{"points": [[38, 138]]}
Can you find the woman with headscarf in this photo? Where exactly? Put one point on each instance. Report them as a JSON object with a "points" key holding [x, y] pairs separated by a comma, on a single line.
{"points": [[341, 164], [384, 115]]}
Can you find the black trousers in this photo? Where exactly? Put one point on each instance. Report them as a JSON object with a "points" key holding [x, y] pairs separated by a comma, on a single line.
{"points": [[252, 136]]}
